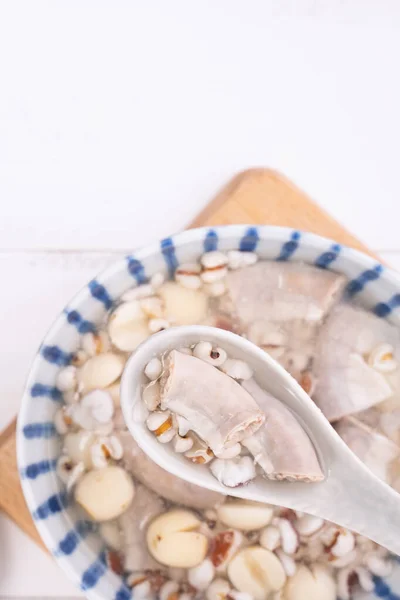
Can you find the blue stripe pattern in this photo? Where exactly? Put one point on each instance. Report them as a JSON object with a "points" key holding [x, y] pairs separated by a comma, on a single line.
{"points": [[40, 389], [39, 430], [327, 258], [124, 593], [56, 356], [250, 240], [290, 247], [34, 470], [383, 309], [71, 541], [168, 252], [53, 505], [91, 576], [210, 241], [75, 318], [99, 292], [382, 590], [136, 269], [357, 285]]}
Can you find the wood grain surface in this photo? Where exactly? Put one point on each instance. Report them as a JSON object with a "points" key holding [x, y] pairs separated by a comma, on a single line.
{"points": [[264, 196], [11, 497], [255, 196]]}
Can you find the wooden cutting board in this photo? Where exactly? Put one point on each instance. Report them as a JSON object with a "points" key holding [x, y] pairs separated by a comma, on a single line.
{"points": [[256, 196]]}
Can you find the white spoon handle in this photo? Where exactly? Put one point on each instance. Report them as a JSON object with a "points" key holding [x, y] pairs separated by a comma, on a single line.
{"points": [[351, 496], [354, 498]]}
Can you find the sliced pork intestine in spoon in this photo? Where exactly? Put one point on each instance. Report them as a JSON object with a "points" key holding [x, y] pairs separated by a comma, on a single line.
{"points": [[346, 382], [281, 446], [217, 408]]}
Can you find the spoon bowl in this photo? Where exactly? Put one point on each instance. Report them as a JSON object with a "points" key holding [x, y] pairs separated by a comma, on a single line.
{"points": [[350, 494]]}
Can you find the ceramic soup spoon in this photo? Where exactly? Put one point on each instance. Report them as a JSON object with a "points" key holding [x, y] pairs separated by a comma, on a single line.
{"points": [[339, 487]]}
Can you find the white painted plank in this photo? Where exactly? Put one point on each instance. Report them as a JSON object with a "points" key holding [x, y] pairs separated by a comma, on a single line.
{"points": [[119, 122], [391, 258], [25, 570]]}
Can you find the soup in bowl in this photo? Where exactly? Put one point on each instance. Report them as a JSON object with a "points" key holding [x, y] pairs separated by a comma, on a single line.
{"points": [[123, 528]]}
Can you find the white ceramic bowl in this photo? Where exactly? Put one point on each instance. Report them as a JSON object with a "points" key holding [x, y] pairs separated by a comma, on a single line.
{"points": [[68, 536]]}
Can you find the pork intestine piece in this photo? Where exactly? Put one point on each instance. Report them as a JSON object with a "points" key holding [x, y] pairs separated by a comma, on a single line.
{"points": [[375, 450], [281, 446], [282, 291], [291, 343], [216, 407], [133, 524], [282, 304], [346, 383]]}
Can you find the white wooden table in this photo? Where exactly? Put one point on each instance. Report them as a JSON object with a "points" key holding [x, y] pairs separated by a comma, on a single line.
{"points": [[119, 120]]}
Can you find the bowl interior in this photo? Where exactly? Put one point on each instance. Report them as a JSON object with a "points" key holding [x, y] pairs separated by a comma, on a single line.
{"points": [[68, 535]]}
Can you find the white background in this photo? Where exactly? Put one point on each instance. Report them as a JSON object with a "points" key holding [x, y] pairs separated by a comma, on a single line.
{"points": [[120, 119]]}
